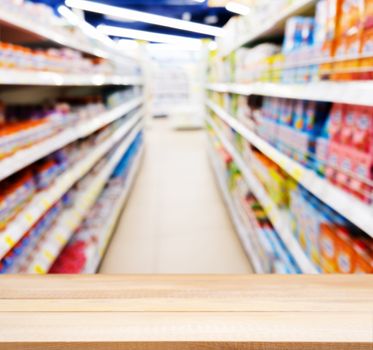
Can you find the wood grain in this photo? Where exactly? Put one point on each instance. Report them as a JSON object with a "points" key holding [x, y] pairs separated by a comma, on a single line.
{"points": [[186, 312]]}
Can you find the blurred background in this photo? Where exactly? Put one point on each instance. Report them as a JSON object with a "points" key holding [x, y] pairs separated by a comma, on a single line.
{"points": [[186, 136]]}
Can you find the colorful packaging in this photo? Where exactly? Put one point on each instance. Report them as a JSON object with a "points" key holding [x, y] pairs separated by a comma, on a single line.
{"points": [[328, 247], [345, 252], [335, 122]]}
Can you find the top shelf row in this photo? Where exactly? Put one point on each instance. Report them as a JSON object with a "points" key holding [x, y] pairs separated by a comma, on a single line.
{"points": [[22, 19], [273, 25]]}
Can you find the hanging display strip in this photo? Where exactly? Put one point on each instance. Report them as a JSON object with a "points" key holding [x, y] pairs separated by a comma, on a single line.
{"points": [[272, 25], [108, 229], [357, 93], [45, 199], [71, 219], [16, 77], [357, 212], [238, 224], [278, 218], [27, 156]]}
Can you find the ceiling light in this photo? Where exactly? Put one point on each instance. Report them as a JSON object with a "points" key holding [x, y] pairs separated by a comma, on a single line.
{"points": [[145, 17], [147, 36], [238, 8]]}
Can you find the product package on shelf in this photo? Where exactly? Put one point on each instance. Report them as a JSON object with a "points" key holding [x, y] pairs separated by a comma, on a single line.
{"points": [[20, 237], [335, 44], [84, 251], [266, 244], [22, 126], [319, 230], [335, 140]]}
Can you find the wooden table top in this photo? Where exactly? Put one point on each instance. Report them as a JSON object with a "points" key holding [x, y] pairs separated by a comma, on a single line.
{"points": [[186, 312]]}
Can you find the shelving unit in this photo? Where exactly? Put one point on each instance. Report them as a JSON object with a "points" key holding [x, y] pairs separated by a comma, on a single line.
{"points": [[356, 211], [25, 157], [305, 73], [44, 200], [275, 24], [109, 227], [47, 82], [72, 218], [40, 30], [279, 219], [242, 231]]}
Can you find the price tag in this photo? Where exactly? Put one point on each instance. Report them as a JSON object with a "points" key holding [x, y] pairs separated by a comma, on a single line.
{"points": [[297, 173], [48, 255], [29, 218], [9, 241], [61, 239], [39, 269], [46, 203], [282, 163], [70, 223], [268, 208]]}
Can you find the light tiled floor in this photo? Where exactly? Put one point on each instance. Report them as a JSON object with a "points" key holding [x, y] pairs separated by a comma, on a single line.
{"points": [[175, 220]]}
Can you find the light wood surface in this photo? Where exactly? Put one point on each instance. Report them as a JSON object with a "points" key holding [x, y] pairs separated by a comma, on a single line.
{"points": [[186, 312]]}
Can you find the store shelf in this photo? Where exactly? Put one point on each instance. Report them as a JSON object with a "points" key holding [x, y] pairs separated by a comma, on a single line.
{"points": [[241, 230], [40, 30], [44, 200], [275, 24], [72, 218], [35, 78], [347, 92], [278, 218], [93, 262], [357, 212], [25, 157]]}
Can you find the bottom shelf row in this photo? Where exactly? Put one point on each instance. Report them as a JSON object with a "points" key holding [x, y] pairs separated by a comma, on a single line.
{"points": [[281, 226], [73, 234]]}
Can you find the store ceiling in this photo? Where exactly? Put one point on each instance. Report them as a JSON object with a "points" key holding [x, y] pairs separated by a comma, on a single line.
{"points": [[191, 10]]}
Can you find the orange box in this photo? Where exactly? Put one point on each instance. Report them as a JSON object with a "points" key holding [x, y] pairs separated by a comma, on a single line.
{"points": [[352, 17], [364, 257], [328, 246], [368, 14], [367, 49], [346, 256]]}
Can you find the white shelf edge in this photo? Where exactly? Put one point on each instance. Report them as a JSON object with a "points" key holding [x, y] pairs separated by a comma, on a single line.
{"points": [[35, 78], [44, 200], [108, 230], [69, 221], [277, 218], [240, 228], [27, 156], [272, 23], [357, 93], [49, 33], [357, 212]]}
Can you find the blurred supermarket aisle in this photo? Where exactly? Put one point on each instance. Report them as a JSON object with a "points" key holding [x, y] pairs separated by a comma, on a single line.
{"points": [[175, 220]]}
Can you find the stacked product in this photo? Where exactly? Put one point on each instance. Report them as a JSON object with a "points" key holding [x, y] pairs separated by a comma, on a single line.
{"points": [[261, 11], [330, 241], [336, 44], [85, 249], [18, 190], [269, 249], [335, 142], [320, 231], [25, 125], [334, 245]]}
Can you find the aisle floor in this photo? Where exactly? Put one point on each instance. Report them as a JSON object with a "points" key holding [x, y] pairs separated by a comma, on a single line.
{"points": [[175, 220]]}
